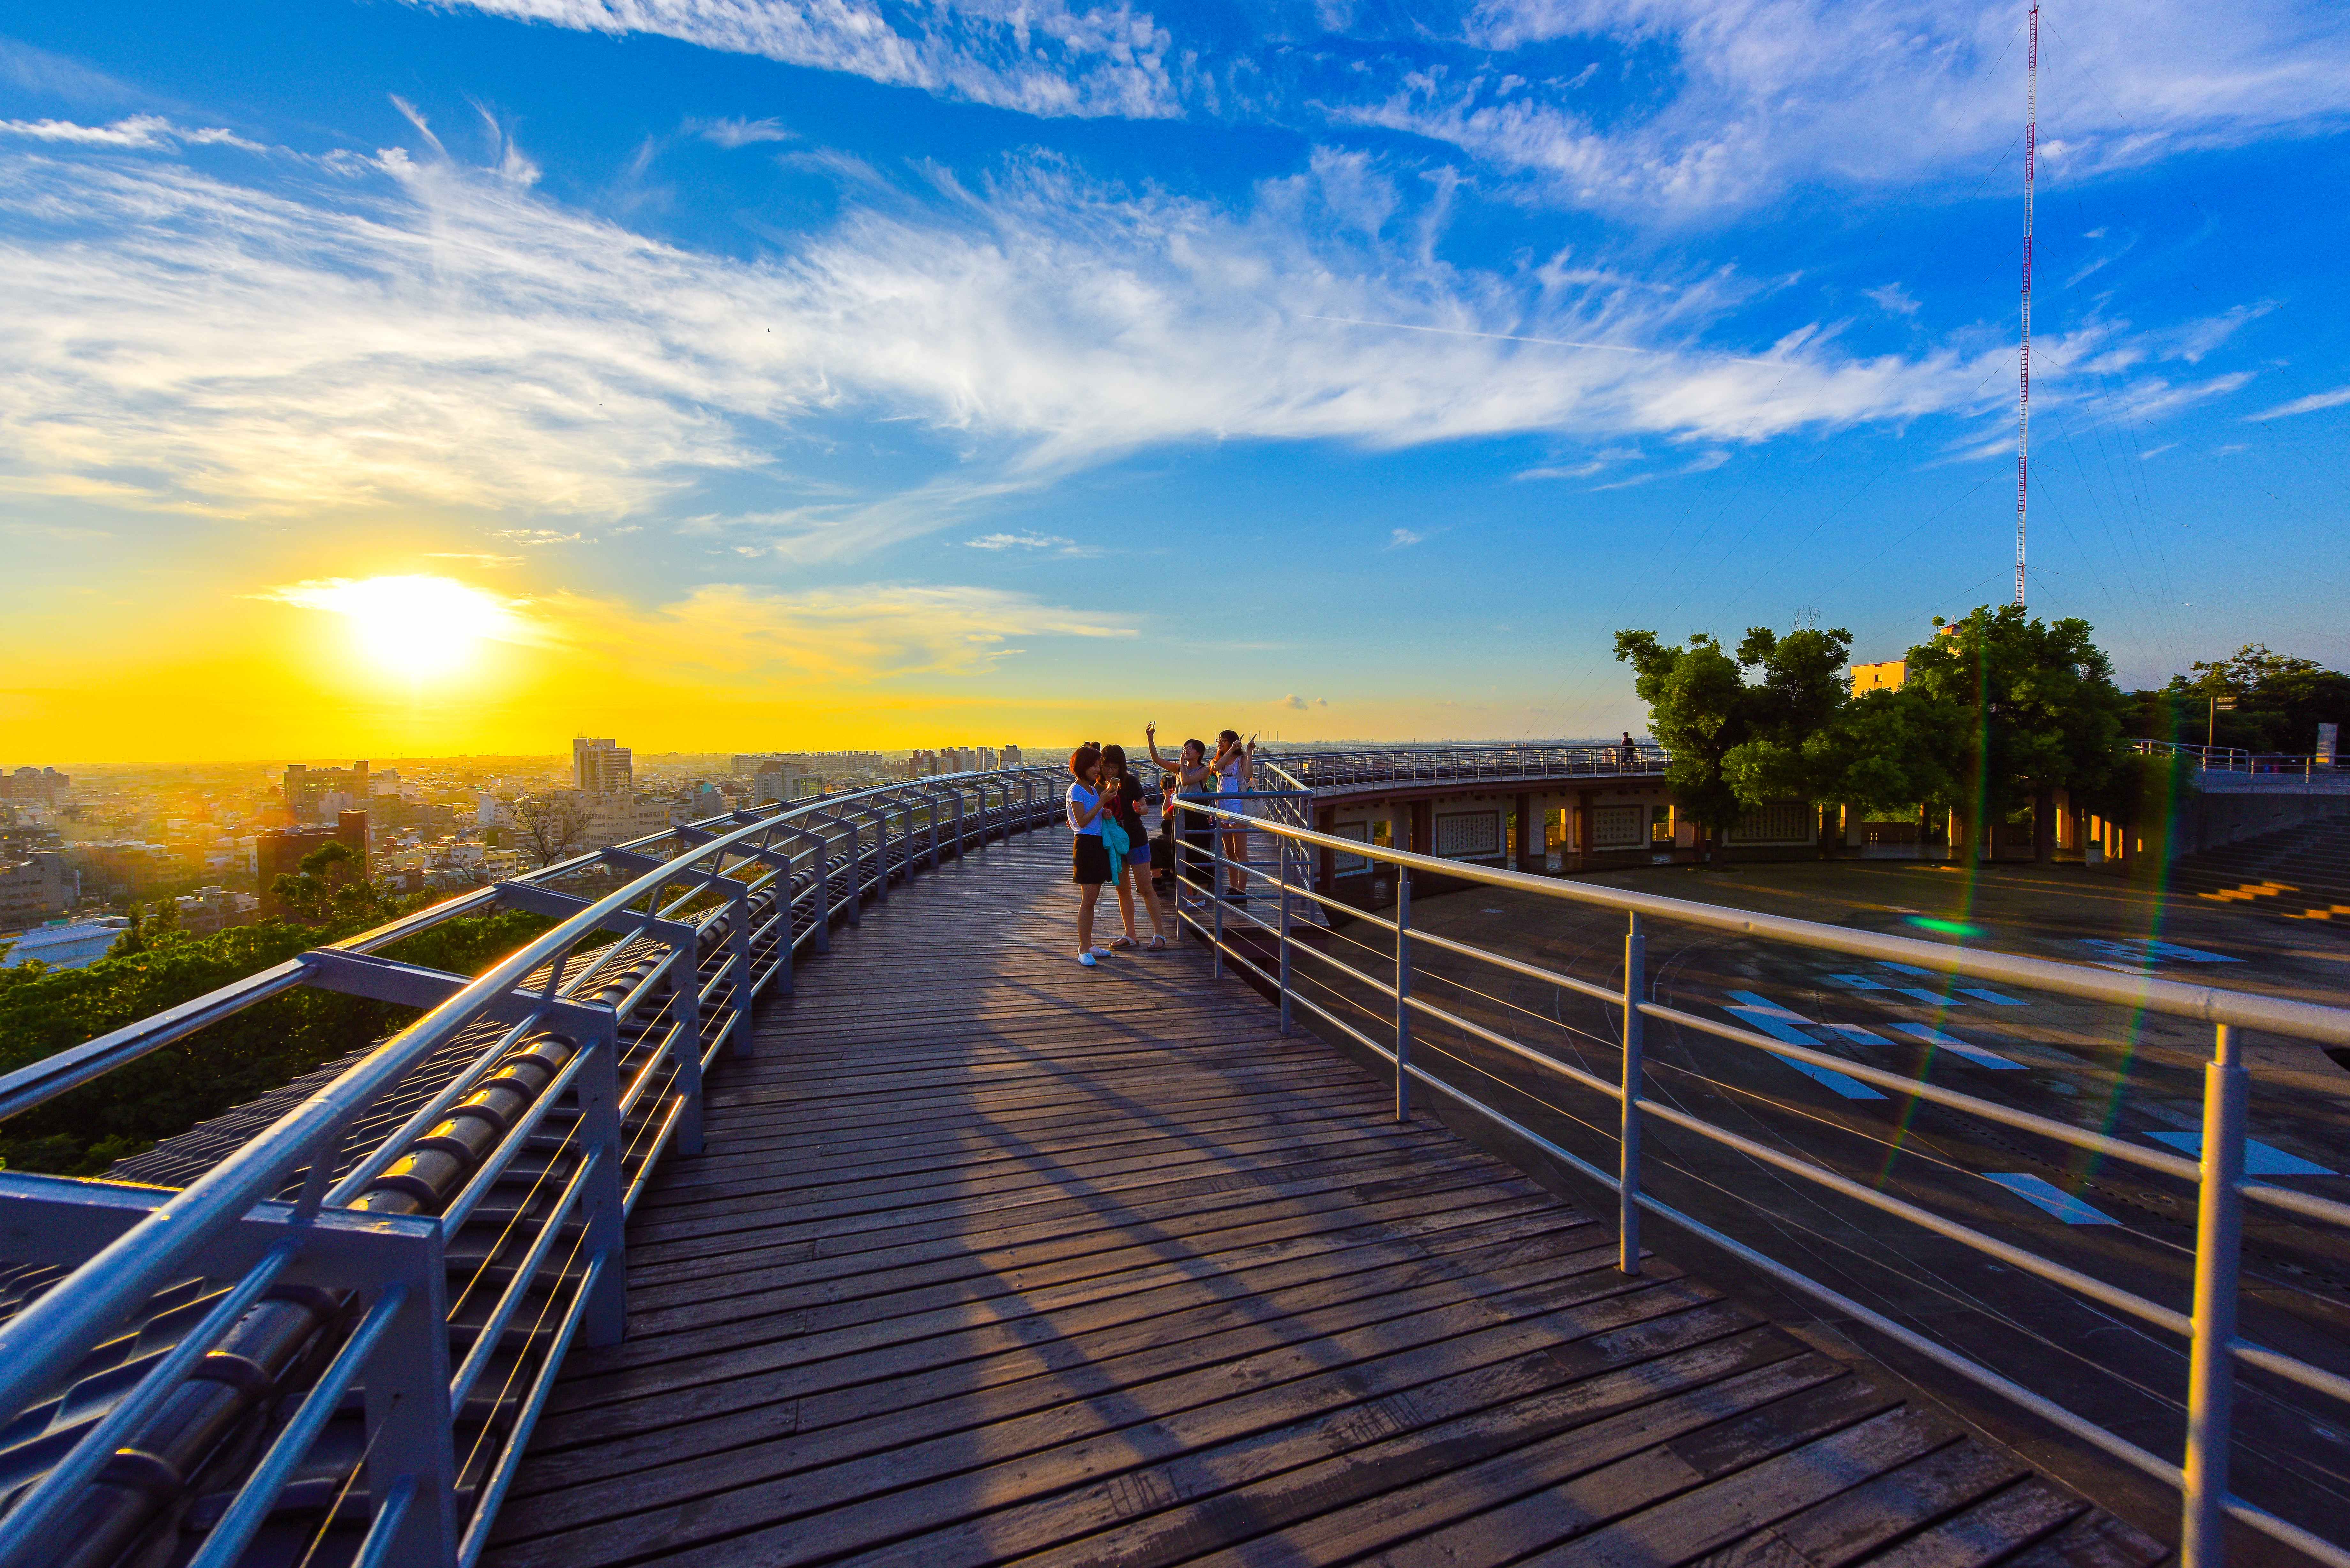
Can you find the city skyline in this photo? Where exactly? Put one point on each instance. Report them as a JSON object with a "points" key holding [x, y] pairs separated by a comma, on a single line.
{"points": [[422, 381]]}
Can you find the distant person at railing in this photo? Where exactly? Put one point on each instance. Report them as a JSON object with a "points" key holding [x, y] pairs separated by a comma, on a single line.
{"points": [[1629, 757], [1089, 861], [1195, 780], [1234, 764], [1122, 801]]}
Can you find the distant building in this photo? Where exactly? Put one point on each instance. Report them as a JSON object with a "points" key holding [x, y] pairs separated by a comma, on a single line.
{"points": [[41, 887], [45, 785], [618, 819], [67, 944], [1885, 676], [210, 909], [116, 868], [777, 779], [1009, 757], [279, 853], [306, 790], [602, 767]]}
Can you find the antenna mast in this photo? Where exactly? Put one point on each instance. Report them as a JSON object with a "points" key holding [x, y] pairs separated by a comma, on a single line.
{"points": [[2024, 383]]}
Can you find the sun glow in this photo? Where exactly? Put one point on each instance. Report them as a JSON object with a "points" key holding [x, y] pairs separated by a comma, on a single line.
{"points": [[419, 627]]}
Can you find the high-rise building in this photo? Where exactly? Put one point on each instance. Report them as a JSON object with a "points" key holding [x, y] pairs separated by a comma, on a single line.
{"points": [[306, 788], [1009, 757], [602, 767], [37, 889]]}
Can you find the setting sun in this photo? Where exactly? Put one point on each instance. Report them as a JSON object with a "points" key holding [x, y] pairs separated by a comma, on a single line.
{"points": [[413, 625]]}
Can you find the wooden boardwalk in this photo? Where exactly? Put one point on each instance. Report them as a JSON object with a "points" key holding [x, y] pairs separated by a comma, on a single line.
{"points": [[992, 1257]]}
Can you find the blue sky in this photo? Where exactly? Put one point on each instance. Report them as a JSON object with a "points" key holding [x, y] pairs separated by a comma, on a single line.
{"points": [[1349, 369]]}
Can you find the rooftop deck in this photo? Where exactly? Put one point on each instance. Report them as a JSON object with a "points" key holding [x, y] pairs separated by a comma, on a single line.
{"points": [[1096, 1266]]}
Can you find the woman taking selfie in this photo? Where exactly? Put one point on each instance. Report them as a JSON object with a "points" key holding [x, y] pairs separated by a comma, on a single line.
{"points": [[1195, 779], [1089, 861], [1232, 764]]}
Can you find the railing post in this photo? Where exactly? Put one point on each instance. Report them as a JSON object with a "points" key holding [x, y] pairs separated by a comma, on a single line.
{"points": [[2210, 1369], [1216, 909], [685, 1000], [959, 827], [1628, 1171], [1403, 994], [605, 1321], [856, 872], [821, 933], [880, 814], [1282, 877]]}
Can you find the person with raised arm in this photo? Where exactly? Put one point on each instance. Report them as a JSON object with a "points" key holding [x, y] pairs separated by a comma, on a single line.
{"points": [[1233, 764], [1194, 780]]}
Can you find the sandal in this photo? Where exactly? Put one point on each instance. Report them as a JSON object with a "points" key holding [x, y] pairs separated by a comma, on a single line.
{"points": [[1123, 943], [1155, 945]]}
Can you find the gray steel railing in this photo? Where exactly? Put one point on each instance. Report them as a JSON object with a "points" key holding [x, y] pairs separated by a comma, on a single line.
{"points": [[540, 1096], [1325, 770], [1383, 995], [2236, 761]]}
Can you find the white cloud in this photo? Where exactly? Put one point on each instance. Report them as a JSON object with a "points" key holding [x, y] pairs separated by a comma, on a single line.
{"points": [[1301, 704], [535, 537], [1017, 541], [1040, 57], [2308, 405], [135, 131], [393, 331], [742, 132], [1892, 297], [1403, 538]]}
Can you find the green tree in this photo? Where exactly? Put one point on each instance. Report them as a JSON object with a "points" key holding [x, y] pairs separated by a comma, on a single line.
{"points": [[1737, 743], [326, 887], [2279, 701], [2026, 708]]}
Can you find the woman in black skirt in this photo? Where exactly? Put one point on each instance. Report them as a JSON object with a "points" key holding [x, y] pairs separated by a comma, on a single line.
{"points": [[1089, 861]]}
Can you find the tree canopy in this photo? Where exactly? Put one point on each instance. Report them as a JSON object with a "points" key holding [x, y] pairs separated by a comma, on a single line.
{"points": [[2279, 699]]}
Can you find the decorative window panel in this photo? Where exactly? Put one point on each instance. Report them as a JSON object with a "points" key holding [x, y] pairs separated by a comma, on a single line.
{"points": [[1788, 822], [1344, 863], [1619, 827], [1469, 835]]}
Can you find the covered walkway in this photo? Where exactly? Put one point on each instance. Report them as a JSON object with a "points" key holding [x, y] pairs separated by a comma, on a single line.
{"points": [[991, 1258]]}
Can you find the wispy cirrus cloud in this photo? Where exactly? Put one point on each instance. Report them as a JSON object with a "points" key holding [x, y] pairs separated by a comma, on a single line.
{"points": [[395, 330], [137, 130], [2311, 404]]}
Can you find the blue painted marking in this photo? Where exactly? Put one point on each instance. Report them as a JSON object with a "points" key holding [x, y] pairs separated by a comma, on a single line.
{"points": [[1993, 997], [1857, 1035], [2046, 1196], [2152, 951], [1780, 1024], [1958, 1047], [2259, 1158], [1930, 998], [1901, 968], [1764, 1005], [1857, 982]]}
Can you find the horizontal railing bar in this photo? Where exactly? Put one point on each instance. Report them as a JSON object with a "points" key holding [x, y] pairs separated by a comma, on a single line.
{"points": [[1990, 1110], [390, 1148], [669, 1120], [485, 1343], [1548, 1064], [2208, 1003], [2292, 1369], [500, 1477], [2291, 1534], [1531, 970], [226, 1540], [54, 1074], [477, 1187], [2097, 1289], [2300, 1203], [30, 1516]]}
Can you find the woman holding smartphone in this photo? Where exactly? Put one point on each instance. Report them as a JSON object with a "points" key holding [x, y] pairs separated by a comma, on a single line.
{"points": [[1122, 799], [1232, 765]]}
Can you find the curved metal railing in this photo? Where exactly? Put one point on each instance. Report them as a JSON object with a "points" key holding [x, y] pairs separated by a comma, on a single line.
{"points": [[412, 1277], [1370, 989], [1402, 764]]}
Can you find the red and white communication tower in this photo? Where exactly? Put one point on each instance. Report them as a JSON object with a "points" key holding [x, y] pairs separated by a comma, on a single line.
{"points": [[2024, 383]]}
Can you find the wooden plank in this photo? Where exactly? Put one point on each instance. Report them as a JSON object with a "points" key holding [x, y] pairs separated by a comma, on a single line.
{"points": [[995, 1257]]}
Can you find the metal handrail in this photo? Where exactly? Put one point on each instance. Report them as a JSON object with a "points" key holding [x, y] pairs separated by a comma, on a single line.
{"points": [[2215, 1348], [170, 1236]]}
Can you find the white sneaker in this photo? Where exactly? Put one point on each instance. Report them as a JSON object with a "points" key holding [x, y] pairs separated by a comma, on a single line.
{"points": [[1098, 951], [1088, 959]]}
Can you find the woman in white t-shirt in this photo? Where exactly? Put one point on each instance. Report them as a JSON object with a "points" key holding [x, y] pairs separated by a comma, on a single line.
{"points": [[1088, 860]]}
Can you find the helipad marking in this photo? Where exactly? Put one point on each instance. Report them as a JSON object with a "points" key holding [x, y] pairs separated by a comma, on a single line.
{"points": [[2259, 1158], [1930, 998], [1993, 997], [1857, 982], [2149, 950], [1956, 1047], [1901, 968], [2047, 1196]]}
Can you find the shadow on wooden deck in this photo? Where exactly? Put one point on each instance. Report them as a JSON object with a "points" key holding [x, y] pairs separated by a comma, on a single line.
{"points": [[991, 1257]]}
